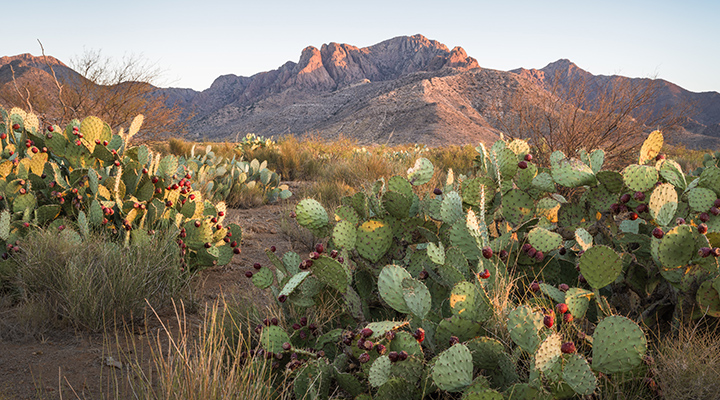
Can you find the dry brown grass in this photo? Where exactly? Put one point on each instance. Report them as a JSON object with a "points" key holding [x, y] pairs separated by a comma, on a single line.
{"points": [[688, 365]]}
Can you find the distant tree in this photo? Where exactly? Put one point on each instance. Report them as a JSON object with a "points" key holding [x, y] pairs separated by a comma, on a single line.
{"points": [[575, 113], [115, 91]]}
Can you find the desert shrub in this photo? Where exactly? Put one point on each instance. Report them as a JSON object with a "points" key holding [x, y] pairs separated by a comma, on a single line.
{"points": [[96, 281]]}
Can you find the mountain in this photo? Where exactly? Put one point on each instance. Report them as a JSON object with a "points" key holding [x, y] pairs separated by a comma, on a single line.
{"points": [[408, 89]]}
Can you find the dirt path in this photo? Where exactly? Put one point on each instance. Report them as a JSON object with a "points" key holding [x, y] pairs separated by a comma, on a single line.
{"points": [[76, 364]]}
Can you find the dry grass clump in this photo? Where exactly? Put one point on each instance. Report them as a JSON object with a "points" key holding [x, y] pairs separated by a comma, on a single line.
{"points": [[91, 284], [688, 365]]}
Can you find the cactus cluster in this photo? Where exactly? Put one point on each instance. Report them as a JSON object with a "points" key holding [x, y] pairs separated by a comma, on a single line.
{"points": [[223, 179], [417, 271], [92, 177]]}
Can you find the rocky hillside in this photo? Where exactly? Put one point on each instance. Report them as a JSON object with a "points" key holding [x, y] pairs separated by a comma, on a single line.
{"points": [[407, 89]]}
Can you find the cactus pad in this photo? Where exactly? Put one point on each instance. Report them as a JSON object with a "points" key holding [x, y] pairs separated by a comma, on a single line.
{"points": [[272, 338], [639, 178], [436, 253], [613, 181], [263, 278], [379, 371], [618, 345], [374, 238], [708, 299], [543, 182], [552, 292], [472, 190], [390, 286], [405, 341], [347, 213], [583, 239], [671, 171], [676, 247], [524, 325], [453, 368], [311, 214], [421, 172], [600, 265], [544, 240], [572, 173], [578, 375], [397, 204], [710, 179], [578, 300], [517, 206], [451, 208], [417, 296], [701, 199], [663, 203], [548, 353], [651, 147], [470, 302], [462, 328], [344, 235], [331, 273]]}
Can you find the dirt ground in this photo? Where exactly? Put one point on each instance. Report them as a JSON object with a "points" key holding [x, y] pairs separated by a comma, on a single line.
{"points": [[72, 365]]}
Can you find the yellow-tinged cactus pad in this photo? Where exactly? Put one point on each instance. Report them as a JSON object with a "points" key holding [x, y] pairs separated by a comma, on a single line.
{"points": [[651, 147]]}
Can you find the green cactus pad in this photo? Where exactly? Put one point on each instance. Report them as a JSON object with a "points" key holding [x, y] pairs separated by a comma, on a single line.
{"points": [[417, 297], [421, 172], [451, 209], [583, 239], [578, 375], [474, 189], [431, 207], [651, 147], [523, 391], [671, 171], [344, 235], [708, 299], [453, 369], [486, 352], [380, 328], [390, 286], [676, 247], [618, 345], [461, 238], [482, 394], [470, 302], [663, 204], [639, 178], [710, 179], [517, 206], [436, 253], [578, 301], [272, 338], [524, 324], [597, 159], [311, 214], [455, 326], [397, 204], [374, 238], [263, 278], [395, 389], [524, 177], [613, 181], [599, 198], [331, 273], [347, 213], [544, 240], [543, 182], [600, 265], [404, 341], [572, 173], [379, 371], [552, 292], [701, 199], [349, 383], [548, 353], [49, 212]]}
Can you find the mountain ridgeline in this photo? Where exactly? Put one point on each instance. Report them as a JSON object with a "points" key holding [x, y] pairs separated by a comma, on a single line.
{"points": [[407, 89]]}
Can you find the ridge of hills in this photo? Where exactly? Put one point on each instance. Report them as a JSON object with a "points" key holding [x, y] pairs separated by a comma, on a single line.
{"points": [[407, 89]]}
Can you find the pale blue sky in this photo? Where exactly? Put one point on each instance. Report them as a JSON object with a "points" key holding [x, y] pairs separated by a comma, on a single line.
{"points": [[194, 42]]}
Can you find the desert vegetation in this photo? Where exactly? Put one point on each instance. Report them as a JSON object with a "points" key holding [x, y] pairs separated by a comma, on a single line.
{"points": [[441, 273]]}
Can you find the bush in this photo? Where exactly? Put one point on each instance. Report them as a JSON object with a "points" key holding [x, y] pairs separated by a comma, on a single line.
{"points": [[96, 282]]}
